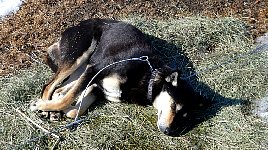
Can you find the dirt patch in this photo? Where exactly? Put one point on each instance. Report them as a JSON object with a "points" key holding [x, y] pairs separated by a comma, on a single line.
{"points": [[25, 35]]}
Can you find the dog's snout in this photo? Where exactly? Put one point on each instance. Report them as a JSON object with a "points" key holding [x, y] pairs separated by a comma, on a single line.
{"points": [[166, 130], [164, 122]]}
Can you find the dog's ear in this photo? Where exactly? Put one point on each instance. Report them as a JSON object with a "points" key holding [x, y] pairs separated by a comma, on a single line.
{"points": [[173, 77]]}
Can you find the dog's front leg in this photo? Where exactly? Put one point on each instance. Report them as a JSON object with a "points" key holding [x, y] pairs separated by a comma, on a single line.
{"points": [[60, 92], [57, 78], [85, 100]]}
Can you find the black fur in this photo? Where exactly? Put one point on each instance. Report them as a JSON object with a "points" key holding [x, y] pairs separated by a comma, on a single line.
{"points": [[118, 41]]}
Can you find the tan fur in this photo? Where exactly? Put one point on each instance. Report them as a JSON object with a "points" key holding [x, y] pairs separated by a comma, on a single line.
{"points": [[58, 78], [64, 102], [166, 114]]}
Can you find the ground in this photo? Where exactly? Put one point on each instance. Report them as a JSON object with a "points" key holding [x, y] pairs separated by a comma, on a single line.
{"points": [[25, 35], [213, 38]]}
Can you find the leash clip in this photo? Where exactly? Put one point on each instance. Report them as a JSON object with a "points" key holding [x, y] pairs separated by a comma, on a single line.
{"points": [[144, 58]]}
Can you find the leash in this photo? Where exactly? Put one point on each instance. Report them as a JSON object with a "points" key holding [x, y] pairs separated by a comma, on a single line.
{"points": [[259, 49], [54, 131], [74, 124]]}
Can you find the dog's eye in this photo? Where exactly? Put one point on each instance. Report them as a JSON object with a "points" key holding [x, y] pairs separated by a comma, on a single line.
{"points": [[173, 78], [178, 107]]}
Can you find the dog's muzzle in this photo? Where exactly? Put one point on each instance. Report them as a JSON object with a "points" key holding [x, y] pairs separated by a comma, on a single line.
{"points": [[165, 129], [165, 120]]}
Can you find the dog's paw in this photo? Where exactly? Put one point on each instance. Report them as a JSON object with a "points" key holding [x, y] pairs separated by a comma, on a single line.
{"points": [[55, 116], [43, 114], [36, 104]]}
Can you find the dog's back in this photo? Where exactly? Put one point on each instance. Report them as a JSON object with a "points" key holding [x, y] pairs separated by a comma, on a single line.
{"points": [[74, 41]]}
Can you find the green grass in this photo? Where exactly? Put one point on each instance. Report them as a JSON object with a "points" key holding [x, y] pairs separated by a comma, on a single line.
{"points": [[227, 124]]}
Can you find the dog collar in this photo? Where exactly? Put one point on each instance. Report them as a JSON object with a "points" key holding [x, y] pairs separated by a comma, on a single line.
{"points": [[150, 85]]}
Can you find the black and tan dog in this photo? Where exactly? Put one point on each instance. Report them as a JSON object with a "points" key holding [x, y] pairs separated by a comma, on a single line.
{"points": [[85, 49]]}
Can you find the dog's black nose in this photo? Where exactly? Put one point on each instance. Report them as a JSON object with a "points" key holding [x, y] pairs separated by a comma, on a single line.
{"points": [[166, 130]]}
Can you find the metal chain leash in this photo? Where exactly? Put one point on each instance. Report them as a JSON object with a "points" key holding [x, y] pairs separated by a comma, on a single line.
{"points": [[142, 58], [73, 125]]}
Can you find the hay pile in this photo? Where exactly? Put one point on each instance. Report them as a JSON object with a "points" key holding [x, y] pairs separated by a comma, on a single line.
{"points": [[25, 35]]}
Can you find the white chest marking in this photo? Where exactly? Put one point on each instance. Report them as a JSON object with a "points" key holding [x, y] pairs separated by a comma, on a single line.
{"points": [[111, 86]]}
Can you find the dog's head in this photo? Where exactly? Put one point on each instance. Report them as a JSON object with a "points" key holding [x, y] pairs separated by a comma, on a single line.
{"points": [[171, 99]]}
